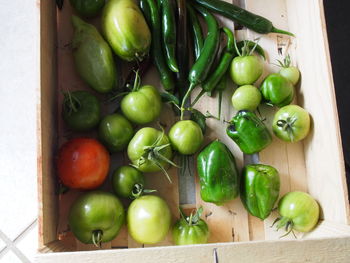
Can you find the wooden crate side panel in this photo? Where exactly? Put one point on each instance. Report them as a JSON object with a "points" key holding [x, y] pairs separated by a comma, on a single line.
{"points": [[46, 126], [323, 149], [312, 250]]}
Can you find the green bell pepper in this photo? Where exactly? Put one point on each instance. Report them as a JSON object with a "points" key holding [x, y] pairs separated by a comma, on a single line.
{"points": [[248, 132], [260, 188], [218, 174]]}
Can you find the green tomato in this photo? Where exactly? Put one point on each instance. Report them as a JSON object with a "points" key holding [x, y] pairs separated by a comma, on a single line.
{"points": [[190, 230], [142, 106], [149, 142], [277, 90], [96, 217], [245, 70], [81, 110], [299, 210], [87, 8], [124, 179], [290, 73], [148, 219], [246, 97], [115, 131], [186, 137], [291, 123]]}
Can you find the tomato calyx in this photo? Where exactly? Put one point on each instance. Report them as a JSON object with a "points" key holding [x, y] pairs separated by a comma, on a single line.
{"points": [[193, 218], [138, 190], [70, 103], [287, 125], [246, 50], [153, 154], [285, 63], [285, 222], [96, 237]]}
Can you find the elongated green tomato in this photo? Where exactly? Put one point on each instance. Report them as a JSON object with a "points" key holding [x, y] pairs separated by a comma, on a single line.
{"points": [[81, 110], [245, 70], [87, 8], [143, 105], [96, 217], [298, 211], [93, 57], [126, 30], [186, 137], [125, 179], [150, 150], [148, 219], [291, 123], [115, 131], [277, 90], [189, 230], [246, 97], [260, 186]]}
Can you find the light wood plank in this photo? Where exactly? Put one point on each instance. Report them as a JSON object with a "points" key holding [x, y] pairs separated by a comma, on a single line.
{"points": [[323, 149], [310, 250]]}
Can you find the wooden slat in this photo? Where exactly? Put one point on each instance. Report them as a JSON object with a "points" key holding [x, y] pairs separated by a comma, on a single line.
{"points": [[46, 126], [310, 250], [323, 149]]}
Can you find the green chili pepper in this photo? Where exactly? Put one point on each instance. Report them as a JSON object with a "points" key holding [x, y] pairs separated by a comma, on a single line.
{"points": [[248, 132], [218, 174], [260, 188], [182, 53], [196, 31], [169, 33], [201, 67], [252, 21], [151, 13]]}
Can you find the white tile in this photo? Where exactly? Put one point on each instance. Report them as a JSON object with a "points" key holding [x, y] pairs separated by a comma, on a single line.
{"points": [[10, 257], [19, 84], [28, 245], [2, 244]]}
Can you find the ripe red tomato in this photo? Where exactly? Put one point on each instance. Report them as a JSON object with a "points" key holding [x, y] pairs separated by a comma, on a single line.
{"points": [[83, 163]]}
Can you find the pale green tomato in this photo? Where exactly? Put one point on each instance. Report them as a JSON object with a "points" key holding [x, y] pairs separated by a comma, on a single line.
{"points": [[246, 97]]}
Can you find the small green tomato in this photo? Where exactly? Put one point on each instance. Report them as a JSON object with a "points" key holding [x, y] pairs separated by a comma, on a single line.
{"points": [[246, 97]]}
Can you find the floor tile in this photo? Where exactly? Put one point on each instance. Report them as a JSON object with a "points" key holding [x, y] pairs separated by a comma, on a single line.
{"points": [[10, 257], [28, 244]]}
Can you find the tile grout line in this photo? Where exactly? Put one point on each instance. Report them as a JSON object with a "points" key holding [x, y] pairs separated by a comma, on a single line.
{"points": [[11, 245]]}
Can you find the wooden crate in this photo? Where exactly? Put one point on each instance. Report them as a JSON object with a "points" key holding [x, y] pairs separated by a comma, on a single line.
{"points": [[314, 165]]}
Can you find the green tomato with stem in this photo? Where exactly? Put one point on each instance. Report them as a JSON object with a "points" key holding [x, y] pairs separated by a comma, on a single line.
{"points": [[246, 97], [125, 179], [245, 70], [291, 73], [298, 211], [291, 123], [96, 217]]}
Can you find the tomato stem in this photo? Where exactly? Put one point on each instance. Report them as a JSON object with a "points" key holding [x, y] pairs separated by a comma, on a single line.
{"points": [[188, 92], [97, 238]]}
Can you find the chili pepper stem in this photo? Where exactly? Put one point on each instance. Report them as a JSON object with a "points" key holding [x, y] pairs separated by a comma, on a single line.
{"points": [[276, 30], [188, 92]]}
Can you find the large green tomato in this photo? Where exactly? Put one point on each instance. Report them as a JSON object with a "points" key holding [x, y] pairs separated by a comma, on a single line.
{"points": [[124, 180], [245, 70], [277, 90], [147, 148], [115, 131], [246, 97], [142, 106], [299, 210], [148, 219], [291, 123], [96, 217], [186, 137]]}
